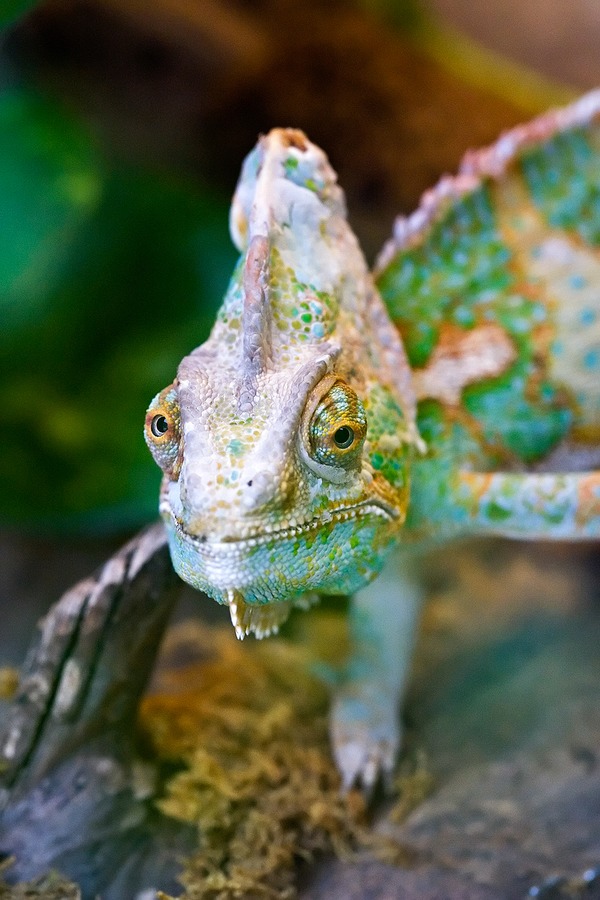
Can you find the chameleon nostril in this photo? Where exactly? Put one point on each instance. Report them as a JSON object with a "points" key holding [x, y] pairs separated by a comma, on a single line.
{"points": [[259, 490]]}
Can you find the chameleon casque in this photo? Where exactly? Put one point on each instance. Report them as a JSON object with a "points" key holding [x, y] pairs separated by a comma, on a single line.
{"points": [[335, 423]]}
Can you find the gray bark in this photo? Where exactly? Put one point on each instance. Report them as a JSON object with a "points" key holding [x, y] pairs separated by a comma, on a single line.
{"points": [[67, 742]]}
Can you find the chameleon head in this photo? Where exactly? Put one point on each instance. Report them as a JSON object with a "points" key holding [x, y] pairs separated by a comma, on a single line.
{"points": [[285, 438]]}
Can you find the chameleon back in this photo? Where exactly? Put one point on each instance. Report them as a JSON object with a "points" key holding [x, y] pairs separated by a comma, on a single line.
{"points": [[494, 285]]}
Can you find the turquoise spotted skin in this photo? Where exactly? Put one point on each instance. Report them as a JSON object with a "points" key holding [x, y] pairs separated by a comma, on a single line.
{"points": [[521, 252], [336, 422]]}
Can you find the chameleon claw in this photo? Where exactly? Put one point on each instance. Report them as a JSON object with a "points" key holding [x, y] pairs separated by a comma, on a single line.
{"points": [[363, 762], [348, 758]]}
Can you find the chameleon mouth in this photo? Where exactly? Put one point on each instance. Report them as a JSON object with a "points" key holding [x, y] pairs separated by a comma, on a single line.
{"points": [[267, 534], [227, 554]]}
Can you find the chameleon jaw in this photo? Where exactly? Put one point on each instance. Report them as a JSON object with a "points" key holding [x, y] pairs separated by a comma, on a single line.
{"points": [[268, 535], [256, 580]]}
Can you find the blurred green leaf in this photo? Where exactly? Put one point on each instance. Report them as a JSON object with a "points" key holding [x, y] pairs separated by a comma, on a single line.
{"points": [[10, 10], [108, 275], [51, 182], [403, 14]]}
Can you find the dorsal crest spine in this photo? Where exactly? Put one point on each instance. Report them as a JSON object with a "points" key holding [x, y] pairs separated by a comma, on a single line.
{"points": [[255, 319]]}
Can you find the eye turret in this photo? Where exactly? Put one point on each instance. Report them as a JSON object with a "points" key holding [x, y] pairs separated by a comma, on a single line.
{"points": [[335, 427], [163, 431]]}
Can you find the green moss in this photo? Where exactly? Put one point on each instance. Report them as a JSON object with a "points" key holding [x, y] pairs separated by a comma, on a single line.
{"points": [[9, 682], [249, 725], [48, 887]]}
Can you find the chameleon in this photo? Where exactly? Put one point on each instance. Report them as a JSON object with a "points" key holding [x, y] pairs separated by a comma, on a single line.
{"points": [[338, 423], [337, 426]]}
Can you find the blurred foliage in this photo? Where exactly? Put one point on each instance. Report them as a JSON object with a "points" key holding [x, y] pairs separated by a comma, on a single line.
{"points": [[404, 14], [47, 887], [108, 273], [12, 9]]}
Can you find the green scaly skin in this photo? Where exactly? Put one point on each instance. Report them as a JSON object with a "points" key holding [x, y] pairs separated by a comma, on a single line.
{"points": [[318, 430]]}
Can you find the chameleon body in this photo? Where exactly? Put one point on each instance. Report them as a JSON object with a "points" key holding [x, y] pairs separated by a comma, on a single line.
{"points": [[335, 422]]}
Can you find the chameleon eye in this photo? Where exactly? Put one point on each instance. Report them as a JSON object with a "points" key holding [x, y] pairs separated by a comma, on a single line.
{"points": [[159, 425], [344, 437], [337, 428], [162, 431]]}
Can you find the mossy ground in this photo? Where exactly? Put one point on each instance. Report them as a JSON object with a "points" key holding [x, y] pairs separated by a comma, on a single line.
{"points": [[248, 725], [50, 887], [9, 682]]}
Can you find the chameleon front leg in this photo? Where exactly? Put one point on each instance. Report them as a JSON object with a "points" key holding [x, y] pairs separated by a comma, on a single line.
{"points": [[365, 725]]}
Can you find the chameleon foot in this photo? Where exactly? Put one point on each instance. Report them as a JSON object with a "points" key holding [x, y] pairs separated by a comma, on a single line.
{"points": [[365, 738]]}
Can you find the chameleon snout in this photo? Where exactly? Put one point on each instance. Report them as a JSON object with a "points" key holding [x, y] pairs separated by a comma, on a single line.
{"points": [[259, 490]]}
